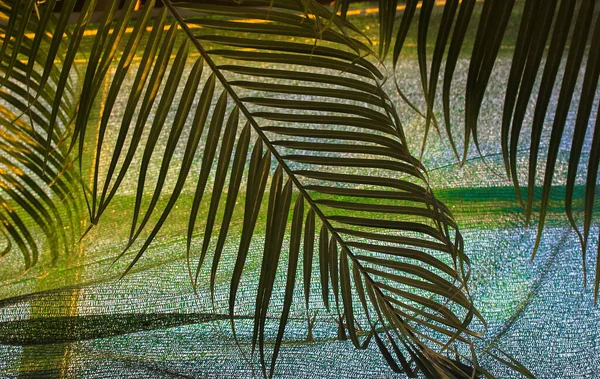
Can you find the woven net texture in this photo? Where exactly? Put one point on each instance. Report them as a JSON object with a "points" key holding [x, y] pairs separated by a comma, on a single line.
{"points": [[78, 319]]}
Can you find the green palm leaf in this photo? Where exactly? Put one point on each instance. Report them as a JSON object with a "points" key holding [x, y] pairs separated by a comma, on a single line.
{"points": [[553, 36], [36, 178]]}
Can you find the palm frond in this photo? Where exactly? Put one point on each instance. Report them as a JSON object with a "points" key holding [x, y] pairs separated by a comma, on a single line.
{"points": [[556, 41], [36, 179]]}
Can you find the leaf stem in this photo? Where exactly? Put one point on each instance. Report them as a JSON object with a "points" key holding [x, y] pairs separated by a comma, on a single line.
{"points": [[261, 134]]}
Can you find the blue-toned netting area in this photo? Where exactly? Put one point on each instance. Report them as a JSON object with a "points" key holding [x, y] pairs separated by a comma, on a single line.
{"points": [[151, 324]]}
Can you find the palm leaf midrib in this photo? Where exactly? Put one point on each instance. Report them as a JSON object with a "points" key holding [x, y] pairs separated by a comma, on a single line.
{"points": [[346, 249], [262, 136]]}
